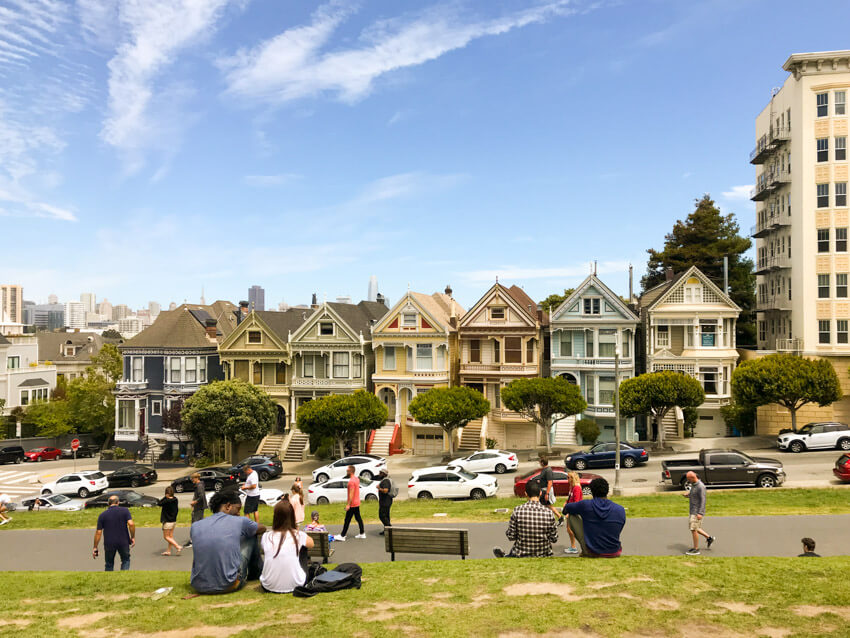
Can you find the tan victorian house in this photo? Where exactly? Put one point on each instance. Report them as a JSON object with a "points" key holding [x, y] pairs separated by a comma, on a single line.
{"points": [[501, 339], [416, 349]]}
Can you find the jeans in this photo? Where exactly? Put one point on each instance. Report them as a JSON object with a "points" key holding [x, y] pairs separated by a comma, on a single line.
{"points": [[109, 557], [252, 565], [355, 513], [384, 514]]}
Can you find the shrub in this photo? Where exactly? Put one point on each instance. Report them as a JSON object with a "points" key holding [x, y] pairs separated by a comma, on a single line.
{"points": [[588, 429], [491, 444], [204, 461], [119, 453], [325, 449]]}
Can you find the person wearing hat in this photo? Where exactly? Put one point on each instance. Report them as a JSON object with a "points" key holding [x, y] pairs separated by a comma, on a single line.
{"points": [[385, 498]]}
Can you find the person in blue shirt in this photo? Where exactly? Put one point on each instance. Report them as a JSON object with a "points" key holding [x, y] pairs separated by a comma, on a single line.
{"points": [[597, 523]]}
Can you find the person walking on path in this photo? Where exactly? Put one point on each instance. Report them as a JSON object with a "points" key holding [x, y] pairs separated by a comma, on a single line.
{"points": [[385, 499], [251, 487], [4, 501], [199, 504], [115, 524], [531, 528], [696, 512], [808, 548], [296, 499], [574, 496], [168, 518], [597, 523], [352, 506], [547, 489], [285, 564]]}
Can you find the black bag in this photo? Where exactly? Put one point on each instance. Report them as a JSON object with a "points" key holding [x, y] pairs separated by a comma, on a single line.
{"points": [[345, 576]]}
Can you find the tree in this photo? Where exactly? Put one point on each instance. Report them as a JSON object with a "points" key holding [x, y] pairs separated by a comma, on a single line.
{"points": [[91, 405], [341, 417], [450, 408], [656, 393], [172, 418], [50, 417], [702, 240], [544, 401], [111, 333], [786, 379], [589, 430], [107, 361], [554, 300], [233, 410]]}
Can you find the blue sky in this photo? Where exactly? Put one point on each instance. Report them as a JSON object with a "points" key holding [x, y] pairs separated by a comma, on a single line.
{"points": [[152, 147]]}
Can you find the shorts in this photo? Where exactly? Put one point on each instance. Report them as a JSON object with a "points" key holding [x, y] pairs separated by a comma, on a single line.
{"points": [[169, 525], [694, 523], [252, 504]]}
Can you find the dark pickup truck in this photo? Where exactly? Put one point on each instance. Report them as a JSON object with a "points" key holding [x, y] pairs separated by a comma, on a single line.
{"points": [[725, 467]]}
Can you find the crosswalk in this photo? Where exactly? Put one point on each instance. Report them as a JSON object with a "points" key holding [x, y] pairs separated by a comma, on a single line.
{"points": [[17, 483]]}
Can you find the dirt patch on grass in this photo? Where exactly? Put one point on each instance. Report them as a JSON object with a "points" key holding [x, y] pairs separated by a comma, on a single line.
{"points": [[708, 629], [78, 622], [662, 604], [430, 581], [442, 594], [775, 632], [636, 579], [567, 633], [810, 611], [235, 603], [15, 623], [561, 590], [738, 607]]}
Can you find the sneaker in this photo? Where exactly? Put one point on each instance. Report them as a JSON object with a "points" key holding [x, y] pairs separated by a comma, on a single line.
{"points": [[339, 538], [561, 521], [5, 520], [360, 536], [710, 540], [692, 552], [571, 550], [498, 552], [381, 533], [187, 544]]}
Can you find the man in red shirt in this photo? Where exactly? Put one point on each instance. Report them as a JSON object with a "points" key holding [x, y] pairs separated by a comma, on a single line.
{"points": [[352, 505]]}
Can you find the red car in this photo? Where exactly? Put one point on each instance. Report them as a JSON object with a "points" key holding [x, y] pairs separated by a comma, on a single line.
{"points": [[43, 454], [842, 468], [560, 482]]}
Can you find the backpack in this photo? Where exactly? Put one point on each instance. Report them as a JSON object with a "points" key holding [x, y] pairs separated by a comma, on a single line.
{"points": [[345, 576], [393, 489]]}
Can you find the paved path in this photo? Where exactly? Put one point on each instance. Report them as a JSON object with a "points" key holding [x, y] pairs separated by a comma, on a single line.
{"points": [[70, 550]]}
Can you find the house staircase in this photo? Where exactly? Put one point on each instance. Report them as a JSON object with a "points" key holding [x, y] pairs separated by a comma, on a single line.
{"points": [[672, 424], [296, 449], [470, 438], [272, 444], [565, 432], [381, 440], [153, 450]]}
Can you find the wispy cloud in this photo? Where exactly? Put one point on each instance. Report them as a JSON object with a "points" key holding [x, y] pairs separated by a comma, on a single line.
{"points": [[516, 273], [28, 29], [403, 185], [271, 180], [293, 65], [739, 193]]}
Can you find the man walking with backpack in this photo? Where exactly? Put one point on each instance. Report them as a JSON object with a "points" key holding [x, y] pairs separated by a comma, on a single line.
{"points": [[387, 491]]}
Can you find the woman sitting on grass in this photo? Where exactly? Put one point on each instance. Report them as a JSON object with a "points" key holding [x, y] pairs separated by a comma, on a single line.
{"points": [[285, 566]]}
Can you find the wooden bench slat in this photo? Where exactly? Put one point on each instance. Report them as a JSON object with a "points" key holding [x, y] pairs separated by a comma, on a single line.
{"points": [[426, 540]]}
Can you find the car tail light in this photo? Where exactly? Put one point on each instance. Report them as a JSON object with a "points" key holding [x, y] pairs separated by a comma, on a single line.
{"points": [[309, 490], [643, 452], [410, 485], [847, 463], [92, 482], [512, 458], [666, 473]]}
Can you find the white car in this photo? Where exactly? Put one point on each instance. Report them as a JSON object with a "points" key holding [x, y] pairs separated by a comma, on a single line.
{"points": [[365, 466], [336, 491], [82, 484], [813, 436], [268, 496], [497, 461], [51, 503], [446, 481]]}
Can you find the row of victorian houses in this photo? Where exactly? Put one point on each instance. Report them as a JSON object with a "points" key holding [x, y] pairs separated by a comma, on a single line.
{"points": [[427, 341]]}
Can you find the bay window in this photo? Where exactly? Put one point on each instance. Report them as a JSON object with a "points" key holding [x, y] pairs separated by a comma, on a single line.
{"points": [[191, 370], [309, 365], [356, 366], [424, 356], [566, 344], [529, 350], [340, 370], [202, 369], [475, 350], [175, 368], [708, 332], [662, 336], [607, 345], [513, 350], [137, 369], [606, 390], [389, 358]]}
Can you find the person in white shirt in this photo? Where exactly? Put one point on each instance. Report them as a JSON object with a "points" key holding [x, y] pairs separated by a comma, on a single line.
{"points": [[251, 487], [4, 500], [285, 565]]}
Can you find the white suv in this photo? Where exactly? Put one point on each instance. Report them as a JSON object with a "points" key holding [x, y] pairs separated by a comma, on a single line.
{"points": [[814, 436], [450, 482], [366, 466], [82, 484]]}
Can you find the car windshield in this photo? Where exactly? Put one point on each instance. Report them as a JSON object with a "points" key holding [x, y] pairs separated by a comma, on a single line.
{"points": [[58, 499], [37, 449], [806, 428], [467, 475], [132, 496], [94, 475]]}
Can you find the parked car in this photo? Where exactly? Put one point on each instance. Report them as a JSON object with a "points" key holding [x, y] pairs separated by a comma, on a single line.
{"points": [[559, 481], [12, 454], [268, 496], [78, 484], [445, 481], [213, 478], [43, 454], [83, 452], [365, 465], [816, 436], [336, 491], [842, 468], [267, 467], [132, 476], [126, 498], [497, 461], [51, 503], [725, 467], [605, 455]]}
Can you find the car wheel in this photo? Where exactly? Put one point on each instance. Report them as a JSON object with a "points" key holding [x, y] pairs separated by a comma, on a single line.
{"points": [[322, 478], [179, 488], [766, 480], [844, 444], [629, 461], [477, 494], [424, 495], [19, 460], [218, 485], [135, 483], [581, 464], [371, 497], [797, 446], [39, 459], [83, 493], [264, 476], [500, 468], [685, 485], [366, 474], [46, 492], [585, 491], [322, 500]]}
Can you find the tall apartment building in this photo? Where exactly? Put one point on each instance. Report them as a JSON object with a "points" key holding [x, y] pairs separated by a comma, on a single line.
{"points": [[88, 299], [11, 303], [75, 314], [120, 311], [803, 263], [257, 298]]}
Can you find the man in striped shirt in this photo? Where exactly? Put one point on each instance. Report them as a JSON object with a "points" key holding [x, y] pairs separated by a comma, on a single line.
{"points": [[532, 527]]}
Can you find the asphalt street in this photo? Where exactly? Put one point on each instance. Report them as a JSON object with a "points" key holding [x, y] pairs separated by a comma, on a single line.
{"points": [[70, 550]]}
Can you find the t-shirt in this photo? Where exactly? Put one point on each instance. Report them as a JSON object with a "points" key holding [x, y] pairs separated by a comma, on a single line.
{"points": [[385, 499], [808, 555], [696, 499], [354, 492], [282, 573], [544, 477], [200, 497], [4, 498], [252, 485], [297, 508], [217, 557], [170, 507], [113, 521], [603, 521]]}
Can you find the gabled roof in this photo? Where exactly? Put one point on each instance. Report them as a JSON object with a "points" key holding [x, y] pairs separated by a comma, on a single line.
{"points": [[438, 309], [609, 295], [659, 294], [514, 295], [283, 322], [359, 317], [51, 345], [35, 382], [181, 327]]}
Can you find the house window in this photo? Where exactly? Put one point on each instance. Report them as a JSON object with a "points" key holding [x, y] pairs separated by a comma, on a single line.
{"points": [[408, 319], [627, 346], [191, 370], [25, 397], [202, 370], [356, 366], [840, 148], [823, 286], [841, 285], [607, 345], [497, 313], [841, 331], [258, 374], [475, 351], [708, 332], [69, 351], [389, 358], [424, 356], [340, 365], [13, 363], [823, 330], [708, 376], [174, 375], [693, 294], [823, 240], [589, 393], [280, 373], [823, 104], [606, 390], [588, 343], [823, 195], [841, 240], [529, 350], [138, 374], [789, 288], [497, 356], [591, 306], [156, 408], [326, 329], [840, 102], [762, 331], [309, 366], [841, 193], [823, 149], [513, 350], [566, 344], [255, 336], [662, 336]]}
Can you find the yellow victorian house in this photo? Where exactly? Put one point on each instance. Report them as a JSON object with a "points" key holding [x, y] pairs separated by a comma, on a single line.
{"points": [[416, 350]]}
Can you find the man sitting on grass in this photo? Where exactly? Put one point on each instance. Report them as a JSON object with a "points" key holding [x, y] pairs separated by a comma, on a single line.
{"points": [[226, 551], [597, 523], [532, 527]]}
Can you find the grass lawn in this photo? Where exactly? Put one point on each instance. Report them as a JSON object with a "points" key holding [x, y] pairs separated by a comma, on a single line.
{"points": [[632, 596], [746, 502]]}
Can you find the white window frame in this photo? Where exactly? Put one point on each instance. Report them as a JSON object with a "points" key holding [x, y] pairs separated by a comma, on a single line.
{"points": [[693, 293], [822, 104], [840, 148], [202, 369], [308, 364], [356, 365], [25, 397], [591, 306], [13, 362], [841, 332], [840, 106], [824, 328], [421, 358], [408, 319], [822, 196], [172, 378], [137, 369], [340, 365], [841, 194], [823, 285], [841, 285], [254, 332], [822, 149], [390, 361], [566, 338], [156, 407], [662, 339], [495, 311], [322, 325], [190, 369]]}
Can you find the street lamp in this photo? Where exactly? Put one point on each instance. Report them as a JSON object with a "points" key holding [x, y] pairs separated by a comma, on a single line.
{"points": [[617, 489]]}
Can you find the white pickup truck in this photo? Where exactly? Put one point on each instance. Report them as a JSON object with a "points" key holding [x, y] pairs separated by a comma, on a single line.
{"points": [[816, 436]]}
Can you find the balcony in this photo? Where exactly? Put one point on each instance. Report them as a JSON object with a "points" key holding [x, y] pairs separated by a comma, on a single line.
{"points": [[768, 143], [773, 302], [600, 410], [497, 368], [789, 345], [769, 225], [308, 382], [586, 363], [508, 415], [768, 183], [182, 388], [775, 262], [131, 386]]}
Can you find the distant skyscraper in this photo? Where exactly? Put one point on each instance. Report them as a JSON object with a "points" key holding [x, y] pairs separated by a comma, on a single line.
{"points": [[49, 316], [52, 299], [11, 303], [105, 308], [172, 306], [154, 309], [256, 298], [283, 306], [88, 300], [373, 289], [120, 311], [75, 314], [203, 299]]}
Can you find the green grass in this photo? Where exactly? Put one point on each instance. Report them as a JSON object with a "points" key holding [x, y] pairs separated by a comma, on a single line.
{"points": [[749, 502], [630, 596]]}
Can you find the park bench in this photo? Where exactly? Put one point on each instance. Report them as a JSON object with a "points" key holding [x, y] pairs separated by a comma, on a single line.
{"points": [[321, 546], [426, 540]]}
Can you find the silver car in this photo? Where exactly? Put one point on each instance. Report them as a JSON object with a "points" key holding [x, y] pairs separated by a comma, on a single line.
{"points": [[51, 503]]}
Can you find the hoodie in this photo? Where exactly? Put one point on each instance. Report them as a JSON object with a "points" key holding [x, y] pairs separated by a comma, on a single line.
{"points": [[603, 521]]}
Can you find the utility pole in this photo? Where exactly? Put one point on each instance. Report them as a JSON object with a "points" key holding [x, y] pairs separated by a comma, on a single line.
{"points": [[617, 489]]}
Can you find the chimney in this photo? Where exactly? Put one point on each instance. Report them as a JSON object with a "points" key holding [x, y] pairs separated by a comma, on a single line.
{"points": [[668, 274], [539, 313], [242, 312], [210, 327], [314, 303], [379, 298], [449, 290]]}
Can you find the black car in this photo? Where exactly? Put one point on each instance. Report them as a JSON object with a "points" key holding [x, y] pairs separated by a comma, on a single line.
{"points": [[126, 498], [83, 452], [11, 454], [132, 476], [266, 467], [213, 478]]}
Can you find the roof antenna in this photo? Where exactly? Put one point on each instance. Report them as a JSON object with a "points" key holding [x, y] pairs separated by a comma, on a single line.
{"points": [[497, 278]]}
